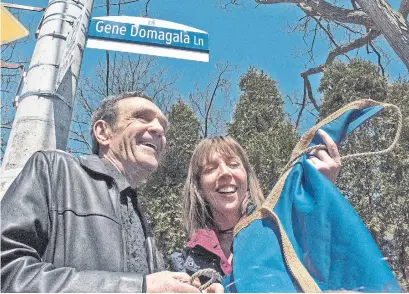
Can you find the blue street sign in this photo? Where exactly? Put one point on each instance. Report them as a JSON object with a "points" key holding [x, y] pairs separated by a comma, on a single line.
{"points": [[144, 34], [136, 34]]}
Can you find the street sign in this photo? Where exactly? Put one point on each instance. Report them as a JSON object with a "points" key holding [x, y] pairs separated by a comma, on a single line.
{"points": [[72, 41], [148, 36], [24, 7], [11, 28]]}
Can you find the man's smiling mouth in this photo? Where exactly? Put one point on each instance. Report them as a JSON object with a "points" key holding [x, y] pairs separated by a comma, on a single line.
{"points": [[150, 145]]}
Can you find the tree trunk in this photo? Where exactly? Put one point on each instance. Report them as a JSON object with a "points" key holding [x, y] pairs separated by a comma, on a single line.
{"points": [[392, 24]]}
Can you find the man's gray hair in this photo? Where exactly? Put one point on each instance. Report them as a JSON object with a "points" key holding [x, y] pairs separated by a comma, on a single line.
{"points": [[107, 112]]}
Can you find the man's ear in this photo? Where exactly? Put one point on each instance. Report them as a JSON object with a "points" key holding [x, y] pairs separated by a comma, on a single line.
{"points": [[102, 133]]}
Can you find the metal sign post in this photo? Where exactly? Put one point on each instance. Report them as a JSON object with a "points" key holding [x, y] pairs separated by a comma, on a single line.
{"points": [[44, 115]]}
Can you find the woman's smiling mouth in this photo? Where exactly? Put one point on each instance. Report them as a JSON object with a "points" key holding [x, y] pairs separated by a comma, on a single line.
{"points": [[229, 189]]}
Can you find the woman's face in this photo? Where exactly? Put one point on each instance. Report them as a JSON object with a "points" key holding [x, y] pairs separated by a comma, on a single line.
{"points": [[224, 184]]}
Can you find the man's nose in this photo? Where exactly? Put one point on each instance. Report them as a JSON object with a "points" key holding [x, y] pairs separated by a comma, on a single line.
{"points": [[156, 127]]}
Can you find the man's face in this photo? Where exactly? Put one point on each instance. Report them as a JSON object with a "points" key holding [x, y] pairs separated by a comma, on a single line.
{"points": [[138, 136]]}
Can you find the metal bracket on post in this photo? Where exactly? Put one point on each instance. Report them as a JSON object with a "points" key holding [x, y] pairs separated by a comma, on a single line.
{"points": [[39, 26], [46, 94], [22, 77], [21, 82], [24, 7]]}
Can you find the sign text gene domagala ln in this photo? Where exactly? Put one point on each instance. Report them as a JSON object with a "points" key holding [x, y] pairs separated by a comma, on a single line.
{"points": [[139, 33]]}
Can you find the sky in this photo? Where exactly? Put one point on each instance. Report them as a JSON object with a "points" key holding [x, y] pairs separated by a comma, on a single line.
{"points": [[245, 36]]}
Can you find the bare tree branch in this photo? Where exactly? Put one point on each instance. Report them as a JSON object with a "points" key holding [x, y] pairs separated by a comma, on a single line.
{"points": [[348, 28], [354, 5], [329, 34], [342, 50], [372, 22], [203, 100], [226, 4], [392, 24], [304, 100], [379, 58], [357, 43], [146, 7], [80, 137], [327, 11], [376, 17], [117, 4], [216, 87], [404, 8], [331, 57], [310, 96]]}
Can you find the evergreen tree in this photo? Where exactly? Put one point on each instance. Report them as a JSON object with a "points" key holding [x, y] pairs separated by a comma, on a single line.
{"points": [[261, 127], [161, 196], [378, 186]]}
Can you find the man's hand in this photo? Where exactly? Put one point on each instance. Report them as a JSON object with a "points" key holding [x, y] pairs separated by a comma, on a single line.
{"points": [[177, 283], [214, 288], [328, 163], [170, 282]]}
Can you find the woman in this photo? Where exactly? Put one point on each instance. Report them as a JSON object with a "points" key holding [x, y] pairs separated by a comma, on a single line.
{"points": [[220, 185], [221, 188]]}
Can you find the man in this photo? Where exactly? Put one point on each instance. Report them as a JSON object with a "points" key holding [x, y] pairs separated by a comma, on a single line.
{"points": [[73, 224]]}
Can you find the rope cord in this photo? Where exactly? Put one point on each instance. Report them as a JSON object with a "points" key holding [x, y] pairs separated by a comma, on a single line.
{"points": [[202, 272], [394, 142], [356, 155]]}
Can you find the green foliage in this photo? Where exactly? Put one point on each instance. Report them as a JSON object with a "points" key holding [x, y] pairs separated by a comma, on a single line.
{"points": [[161, 196], [377, 187], [261, 126], [343, 83]]}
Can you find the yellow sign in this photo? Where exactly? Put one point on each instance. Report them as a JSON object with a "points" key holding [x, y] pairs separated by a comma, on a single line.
{"points": [[11, 28]]}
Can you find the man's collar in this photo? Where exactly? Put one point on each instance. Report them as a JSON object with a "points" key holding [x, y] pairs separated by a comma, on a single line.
{"points": [[116, 175], [105, 168]]}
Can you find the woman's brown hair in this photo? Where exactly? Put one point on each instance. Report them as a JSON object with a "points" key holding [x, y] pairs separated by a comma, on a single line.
{"points": [[197, 214]]}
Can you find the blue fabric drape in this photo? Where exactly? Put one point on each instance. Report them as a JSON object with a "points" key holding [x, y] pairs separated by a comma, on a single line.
{"points": [[328, 236]]}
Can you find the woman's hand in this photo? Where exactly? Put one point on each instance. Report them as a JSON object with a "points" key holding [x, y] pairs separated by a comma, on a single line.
{"points": [[328, 162]]}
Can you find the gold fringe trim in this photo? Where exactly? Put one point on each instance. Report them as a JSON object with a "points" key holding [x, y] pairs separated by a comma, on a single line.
{"points": [[299, 272], [309, 135], [270, 202]]}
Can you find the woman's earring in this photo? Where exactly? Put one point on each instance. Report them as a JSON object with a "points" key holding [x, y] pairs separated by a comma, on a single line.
{"points": [[248, 205]]}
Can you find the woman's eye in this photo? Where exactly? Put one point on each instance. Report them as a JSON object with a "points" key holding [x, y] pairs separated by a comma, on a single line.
{"points": [[209, 169], [234, 164]]}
